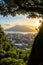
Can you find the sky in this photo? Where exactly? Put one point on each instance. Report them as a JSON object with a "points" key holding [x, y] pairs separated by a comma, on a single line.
{"points": [[9, 21]]}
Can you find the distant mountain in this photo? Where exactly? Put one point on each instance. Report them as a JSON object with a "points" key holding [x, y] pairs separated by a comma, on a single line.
{"points": [[20, 28]]}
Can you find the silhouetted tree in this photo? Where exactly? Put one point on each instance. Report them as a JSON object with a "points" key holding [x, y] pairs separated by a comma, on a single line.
{"points": [[14, 7], [36, 55]]}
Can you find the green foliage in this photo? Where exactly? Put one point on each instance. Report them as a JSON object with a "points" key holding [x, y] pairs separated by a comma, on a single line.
{"points": [[12, 61], [10, 55]]}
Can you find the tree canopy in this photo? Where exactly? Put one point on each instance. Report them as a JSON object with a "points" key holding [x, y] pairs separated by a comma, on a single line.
{"points": [[13, 7]]}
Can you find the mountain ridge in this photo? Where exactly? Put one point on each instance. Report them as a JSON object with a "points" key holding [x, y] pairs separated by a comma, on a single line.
{"points": [[20, 28]]}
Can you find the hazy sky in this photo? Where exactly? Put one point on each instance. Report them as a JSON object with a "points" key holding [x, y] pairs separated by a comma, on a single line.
{"points": [[9, 21], [18, 19]]}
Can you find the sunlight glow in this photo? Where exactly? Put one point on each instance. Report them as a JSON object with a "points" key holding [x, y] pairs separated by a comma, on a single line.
{"points": [[37, 23]]}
